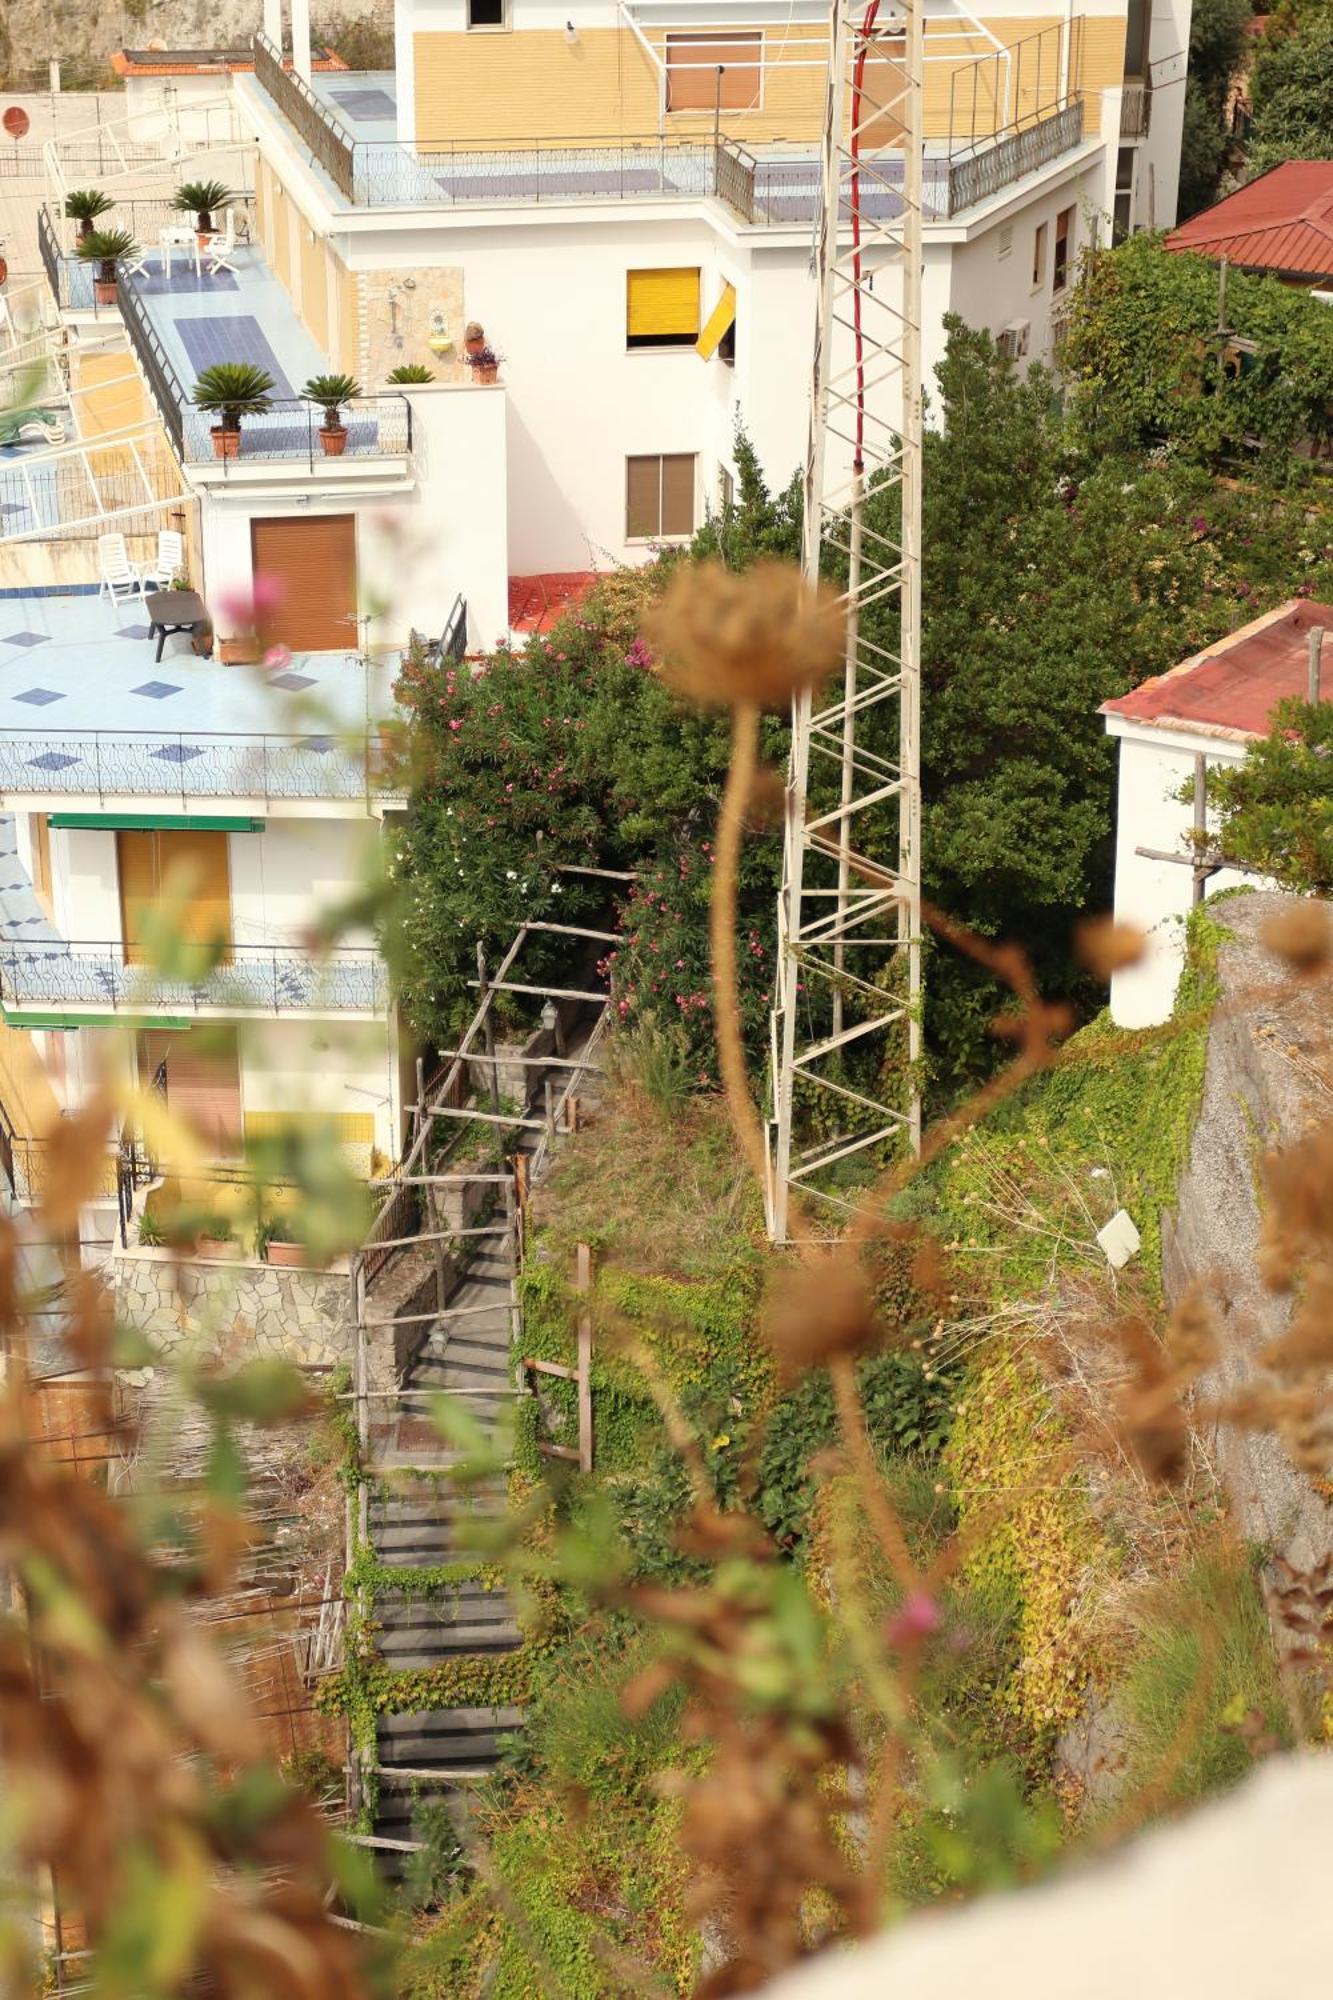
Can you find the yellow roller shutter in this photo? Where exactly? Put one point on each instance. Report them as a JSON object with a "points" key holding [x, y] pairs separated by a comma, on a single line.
{"points": [[662, 305], [722, 316]]}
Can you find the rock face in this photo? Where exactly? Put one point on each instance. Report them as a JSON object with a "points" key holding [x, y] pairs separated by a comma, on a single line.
{"points": [[32, 31], [1269, 1078], [244, 1309]]}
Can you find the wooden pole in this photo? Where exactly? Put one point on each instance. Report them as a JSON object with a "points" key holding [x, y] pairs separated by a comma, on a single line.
{"points": [[488, 1027], [583, 1285]]}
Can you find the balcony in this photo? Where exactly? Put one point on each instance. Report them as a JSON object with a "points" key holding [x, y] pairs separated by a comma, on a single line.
{"points": [[346, 128], [180, 729], [1135, 107], [180, 322], [71, 277], [52, 975]]}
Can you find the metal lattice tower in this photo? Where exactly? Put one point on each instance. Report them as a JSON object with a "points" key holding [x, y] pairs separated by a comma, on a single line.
{"points": [[849, 951]]}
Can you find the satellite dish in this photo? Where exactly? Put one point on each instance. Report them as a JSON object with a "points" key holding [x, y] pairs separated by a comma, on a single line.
{"points": [[16, 121]]}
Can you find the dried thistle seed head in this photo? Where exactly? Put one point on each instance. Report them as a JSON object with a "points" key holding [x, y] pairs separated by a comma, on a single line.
{"points": [[1105, 946], [1302, 936], [767, 803], [822, 1309], [756, 638]]}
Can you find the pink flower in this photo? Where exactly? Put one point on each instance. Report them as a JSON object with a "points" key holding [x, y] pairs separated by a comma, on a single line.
{"points": [[455, 725], [914, 1621], [278, 657]]}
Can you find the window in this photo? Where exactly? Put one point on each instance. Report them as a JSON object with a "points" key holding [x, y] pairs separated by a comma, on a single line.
{"points": [[659, 497], [1124, 194], [487, 13], [1004, 240], [692, 65], [1064, 236], [661, 308], [41, 862], [726, 489], [1039, 258], [153, 863], [719, 334]]}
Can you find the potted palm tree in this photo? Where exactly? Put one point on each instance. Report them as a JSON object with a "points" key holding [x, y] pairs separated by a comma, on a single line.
{"points": [[408, 372], [84, 205], [104, 247], [331, 392], [231, 390], [200, 198]]}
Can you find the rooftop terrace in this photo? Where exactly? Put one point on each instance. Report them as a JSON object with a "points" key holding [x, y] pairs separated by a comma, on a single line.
{"points": [[86, 713], [181, 321], [348, 126]]}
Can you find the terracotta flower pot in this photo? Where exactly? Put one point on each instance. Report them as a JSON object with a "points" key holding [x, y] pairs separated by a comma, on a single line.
{"points": [[333, 437], [489, 371], [218, 1249], [242, 651], [292, 1256], [202, 238], [226, 442], [104, 291]]}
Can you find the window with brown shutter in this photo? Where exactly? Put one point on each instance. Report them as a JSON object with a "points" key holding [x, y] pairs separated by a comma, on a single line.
{"points": [[692, 65], [200, 1071], [189, 863], [659, 496], [312, 564]]}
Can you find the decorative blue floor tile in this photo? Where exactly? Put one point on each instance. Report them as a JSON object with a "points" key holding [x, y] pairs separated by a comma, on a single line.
{"points": [[232, 337], [24, 639], [39, 697], [133, 631], [365, 105], [178, 753], [53, 760], [292, 681], [321, 745], [157, 690]]}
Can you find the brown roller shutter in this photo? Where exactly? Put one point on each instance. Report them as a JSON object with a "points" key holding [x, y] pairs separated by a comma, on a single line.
{"points": [[203, 1088], [693, 62], [182, 861], [313, 563]]}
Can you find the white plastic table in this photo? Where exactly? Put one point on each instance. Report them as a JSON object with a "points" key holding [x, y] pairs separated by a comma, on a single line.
{"points": [[176, 236]]}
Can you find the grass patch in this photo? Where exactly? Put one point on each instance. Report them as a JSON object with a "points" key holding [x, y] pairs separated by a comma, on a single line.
{"points": [[1203, 1661]]}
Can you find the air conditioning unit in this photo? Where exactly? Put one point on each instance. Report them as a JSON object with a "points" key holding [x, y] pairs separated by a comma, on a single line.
{"points": [[1013, 340]]}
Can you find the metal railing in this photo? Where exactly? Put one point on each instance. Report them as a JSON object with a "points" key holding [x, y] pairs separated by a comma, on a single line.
{"points": [[328, 140], [253, 978], [116, 764], [163, 383], [1135, 107], [289, 428], [733, 178], [389, 175], [1005, 160]]}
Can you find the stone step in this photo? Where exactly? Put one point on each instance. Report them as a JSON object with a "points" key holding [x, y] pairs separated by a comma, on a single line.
{"points": [[441, 1737], [414, 1649]]}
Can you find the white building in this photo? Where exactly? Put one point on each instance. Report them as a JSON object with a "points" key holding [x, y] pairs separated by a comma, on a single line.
{"points": [[1171, 730]]}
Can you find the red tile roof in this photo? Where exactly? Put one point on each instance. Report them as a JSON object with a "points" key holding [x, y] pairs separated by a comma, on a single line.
{"points": [[1281, 222], [1233, 687], [203, 62], [535, 602]]}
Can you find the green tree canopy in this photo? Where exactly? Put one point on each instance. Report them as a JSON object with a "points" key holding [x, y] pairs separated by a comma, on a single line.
{"points": [[1275, 811], [1292, 91]]}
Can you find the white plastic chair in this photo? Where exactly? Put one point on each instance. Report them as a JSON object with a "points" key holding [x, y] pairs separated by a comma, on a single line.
{"points": [[221, 247], [136, 264], [120, 577], [169, 562], [175, 236]]}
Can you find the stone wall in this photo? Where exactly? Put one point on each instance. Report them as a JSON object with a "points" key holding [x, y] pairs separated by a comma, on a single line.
{"points": [[1267, 1051], [235, 1307]]}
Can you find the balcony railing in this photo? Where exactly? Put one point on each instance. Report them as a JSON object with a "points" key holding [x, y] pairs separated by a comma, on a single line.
{"points": [[255, 979], [328, 140], [1135, 108], [374, 426], [117, 764], [997, 163]]}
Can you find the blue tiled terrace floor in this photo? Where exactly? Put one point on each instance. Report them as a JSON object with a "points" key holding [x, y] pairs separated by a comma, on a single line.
{"points": [[245, 316], [365, 102], [85, 708]]}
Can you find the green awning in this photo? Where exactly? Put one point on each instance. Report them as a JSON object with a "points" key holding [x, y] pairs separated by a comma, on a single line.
{"points": [[159, 822], [19, 1019]]}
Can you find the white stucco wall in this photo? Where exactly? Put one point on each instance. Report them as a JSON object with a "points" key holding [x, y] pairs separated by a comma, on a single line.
{"points": [[1157, 896]]}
